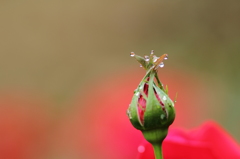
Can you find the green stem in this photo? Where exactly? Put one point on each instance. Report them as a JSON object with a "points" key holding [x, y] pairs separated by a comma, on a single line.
{"points": [[156, 137], [158, 151]]}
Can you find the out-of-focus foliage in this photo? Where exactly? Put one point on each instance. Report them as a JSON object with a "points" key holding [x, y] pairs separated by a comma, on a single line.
{"points": [[60, 48]]}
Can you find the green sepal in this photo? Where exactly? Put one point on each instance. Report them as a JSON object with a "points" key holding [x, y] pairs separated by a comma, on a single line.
{"points": [[133, 113], [155, 116], [168, 105], [153, 108], [142, 61]]}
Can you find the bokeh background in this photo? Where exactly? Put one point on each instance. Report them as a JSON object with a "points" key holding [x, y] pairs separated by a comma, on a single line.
{"points": [[66, 77]]}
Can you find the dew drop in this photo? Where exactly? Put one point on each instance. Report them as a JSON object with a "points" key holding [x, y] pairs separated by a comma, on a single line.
{"points": [[161, 65], [132, 54], [155, 58], [137, 93], [146, 58], [140, 65], [141, 149], [164, 98], [129, 114], [152, 52], [166, 57], [162, 116]]}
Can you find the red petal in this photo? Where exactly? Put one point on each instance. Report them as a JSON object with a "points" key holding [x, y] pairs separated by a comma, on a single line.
{"points": [[209, 142]]}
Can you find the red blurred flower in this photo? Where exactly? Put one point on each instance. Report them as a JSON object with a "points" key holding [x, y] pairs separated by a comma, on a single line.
{"points": [[209, 141]]}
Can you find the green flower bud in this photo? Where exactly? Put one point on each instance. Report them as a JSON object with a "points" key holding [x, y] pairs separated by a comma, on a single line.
{"points": [[151, 109]]}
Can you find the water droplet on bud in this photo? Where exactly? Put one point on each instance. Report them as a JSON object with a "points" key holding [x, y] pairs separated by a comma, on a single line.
{"points": [[166, 57], [155, 58], [137, 94], [152, 52], [146, 58], [129, 114], [164, 98], [161, 65], [140, 65], [141, 148], [132, 54]]}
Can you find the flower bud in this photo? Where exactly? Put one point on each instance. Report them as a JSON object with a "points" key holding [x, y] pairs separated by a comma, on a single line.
{"points": [[151, 108]]}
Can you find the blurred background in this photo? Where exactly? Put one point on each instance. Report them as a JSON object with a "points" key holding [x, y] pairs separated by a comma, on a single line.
{"points": [[66, 77]]}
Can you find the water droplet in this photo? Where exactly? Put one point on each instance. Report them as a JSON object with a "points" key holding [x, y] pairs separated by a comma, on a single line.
{"points": [[162, 116], [152, 52], [146, 58], [161, 65], [166, 57], [137, 93], [155, 58], [164, 98], [140, 65], [141, 149], [129, 114], [132, 54]]}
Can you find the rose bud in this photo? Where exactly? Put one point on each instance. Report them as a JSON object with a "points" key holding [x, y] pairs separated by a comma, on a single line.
{"points": [[151, 109]]}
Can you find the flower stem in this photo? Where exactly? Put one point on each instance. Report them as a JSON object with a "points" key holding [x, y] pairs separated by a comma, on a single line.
{"points": [[158, 151]]}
